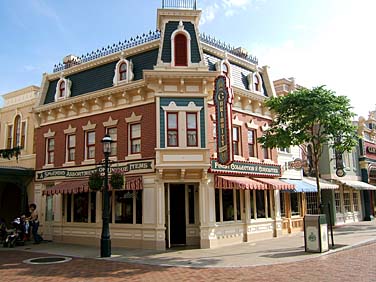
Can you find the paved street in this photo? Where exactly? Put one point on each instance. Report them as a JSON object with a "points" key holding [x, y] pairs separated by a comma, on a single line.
{"points": [[355, 264], [279, 259]]}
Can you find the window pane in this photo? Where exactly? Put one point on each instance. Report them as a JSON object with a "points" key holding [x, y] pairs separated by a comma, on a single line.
{"points": [[91, 138], [51, 144], [282, 197], [294, 204], [136, 130], [238, 208], [72, 141], [136, 146], [251, 204], [235, 134], [172, 120], [250, 137], [81, 207], [217, 205], [113, 133], [192, 138], [260, 204], [91, 152], [228, 204], [93, 206], [69, 207], [138, 206], [191, 121], [172, 138], [124, 207]]}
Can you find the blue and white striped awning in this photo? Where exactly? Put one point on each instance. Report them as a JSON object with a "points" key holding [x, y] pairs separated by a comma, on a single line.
{"points": [[300, 185]]}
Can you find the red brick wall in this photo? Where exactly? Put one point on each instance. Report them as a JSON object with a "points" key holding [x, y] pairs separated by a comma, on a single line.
{"points": [[244, 133], [148, 135]]}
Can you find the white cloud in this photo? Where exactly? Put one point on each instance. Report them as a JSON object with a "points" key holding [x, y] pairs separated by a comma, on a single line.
{"points": [[340, 56], [41, 7], [231, 7], [30, 68]]}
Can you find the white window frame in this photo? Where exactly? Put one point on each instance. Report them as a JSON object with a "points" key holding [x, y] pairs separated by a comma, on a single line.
{"points": [[129, 72], [181, 30], [68, 85]]}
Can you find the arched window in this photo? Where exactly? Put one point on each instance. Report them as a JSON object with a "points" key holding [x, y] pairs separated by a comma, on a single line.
{"points": [[123, 71], [17, 131], [180, 47], [62, 89]]}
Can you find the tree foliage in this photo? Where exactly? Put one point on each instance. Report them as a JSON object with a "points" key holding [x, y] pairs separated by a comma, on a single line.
{"points": [[313, 117]]}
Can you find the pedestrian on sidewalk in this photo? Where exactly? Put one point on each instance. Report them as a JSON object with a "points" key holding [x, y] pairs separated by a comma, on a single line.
{"points": [[34, 222]]}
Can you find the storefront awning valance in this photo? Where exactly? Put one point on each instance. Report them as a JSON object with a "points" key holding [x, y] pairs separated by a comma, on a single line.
{"points": [[301, 186], [323, 183], [68, 187], [233, 182], [133, 183], [358, 185], [276, 184]]}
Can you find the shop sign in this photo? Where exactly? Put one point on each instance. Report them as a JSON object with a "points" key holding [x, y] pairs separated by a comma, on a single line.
{"points": [[296, 164], [251, 169], [143, 166], [223, 97]]}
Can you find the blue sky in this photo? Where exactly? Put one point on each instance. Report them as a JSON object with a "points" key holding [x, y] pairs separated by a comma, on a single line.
{"points": [[329, 42]]}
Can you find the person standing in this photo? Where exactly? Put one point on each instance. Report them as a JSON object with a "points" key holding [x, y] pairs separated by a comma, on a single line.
{"points": [[35, 223]]}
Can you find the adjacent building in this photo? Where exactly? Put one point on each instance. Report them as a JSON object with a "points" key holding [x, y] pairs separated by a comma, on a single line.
{"points": [[17, 152]]}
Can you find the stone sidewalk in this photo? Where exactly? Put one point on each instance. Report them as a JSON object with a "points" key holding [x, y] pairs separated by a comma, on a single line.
{"points": [[285, 249]]}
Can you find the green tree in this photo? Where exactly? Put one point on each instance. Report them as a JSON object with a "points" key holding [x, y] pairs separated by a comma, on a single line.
{"points": [[311, 117]]}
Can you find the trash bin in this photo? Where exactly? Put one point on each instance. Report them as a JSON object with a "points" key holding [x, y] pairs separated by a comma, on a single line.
{"points": [[316, 233]]}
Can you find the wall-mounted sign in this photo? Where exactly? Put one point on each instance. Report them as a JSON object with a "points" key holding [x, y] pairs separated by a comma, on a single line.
{"points": [[371, 150], [223, 97], [134, 167], [245, 168]]}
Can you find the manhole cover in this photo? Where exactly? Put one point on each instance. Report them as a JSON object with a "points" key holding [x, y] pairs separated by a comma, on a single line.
{"points": [[47, 260]]}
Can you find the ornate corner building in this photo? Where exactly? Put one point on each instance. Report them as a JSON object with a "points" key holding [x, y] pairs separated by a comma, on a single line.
{"points": [[154, 96]]}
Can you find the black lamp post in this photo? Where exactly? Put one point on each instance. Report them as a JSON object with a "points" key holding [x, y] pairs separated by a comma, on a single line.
{"points": [[105, 237]]}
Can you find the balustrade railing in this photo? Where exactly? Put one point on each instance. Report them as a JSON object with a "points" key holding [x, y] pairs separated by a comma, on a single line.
{"points": [[179, 4]]}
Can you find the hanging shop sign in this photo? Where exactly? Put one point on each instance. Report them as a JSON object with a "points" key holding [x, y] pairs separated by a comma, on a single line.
{"points": [[371, 150], [246, 168], [223, 98], [133, 167]]}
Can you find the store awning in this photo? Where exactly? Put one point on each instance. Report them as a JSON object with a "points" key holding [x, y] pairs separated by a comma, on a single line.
{"points": [[233, 182], [301, 186], [358, 185], [276, 184], [323, 183], [68, 187], [133, 183]]}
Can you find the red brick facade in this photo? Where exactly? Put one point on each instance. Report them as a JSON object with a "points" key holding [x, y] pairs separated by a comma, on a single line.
{"points": [[148, 135]]}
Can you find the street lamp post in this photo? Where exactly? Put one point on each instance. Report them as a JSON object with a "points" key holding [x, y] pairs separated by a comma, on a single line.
{"points": [[105, 237]]}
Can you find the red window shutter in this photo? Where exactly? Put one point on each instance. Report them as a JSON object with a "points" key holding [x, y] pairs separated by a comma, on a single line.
{"points": [[180, 50]]}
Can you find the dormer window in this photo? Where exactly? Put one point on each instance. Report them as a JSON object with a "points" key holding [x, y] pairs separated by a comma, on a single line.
{"points": [[123, 71], [255, 82], [224, 67], [63, 88], [181, 50]]}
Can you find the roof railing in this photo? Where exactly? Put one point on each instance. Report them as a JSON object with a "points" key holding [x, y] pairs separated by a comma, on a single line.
{"points": [[179, 4]]}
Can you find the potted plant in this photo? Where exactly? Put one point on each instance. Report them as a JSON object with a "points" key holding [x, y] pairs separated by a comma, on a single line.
{"points": [[95, 181], [117, 179]]}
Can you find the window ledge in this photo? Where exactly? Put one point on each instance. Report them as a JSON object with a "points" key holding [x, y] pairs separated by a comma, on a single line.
{"points": [[46, 166], [113, 158], [133, 157], [69, 164], [88, 162]]}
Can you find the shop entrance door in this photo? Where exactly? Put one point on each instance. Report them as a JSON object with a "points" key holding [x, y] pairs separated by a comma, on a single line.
{"points": [[177, 220]]}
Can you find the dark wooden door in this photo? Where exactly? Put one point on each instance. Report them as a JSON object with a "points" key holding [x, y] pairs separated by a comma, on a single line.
{"points": [[177, 214]]}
